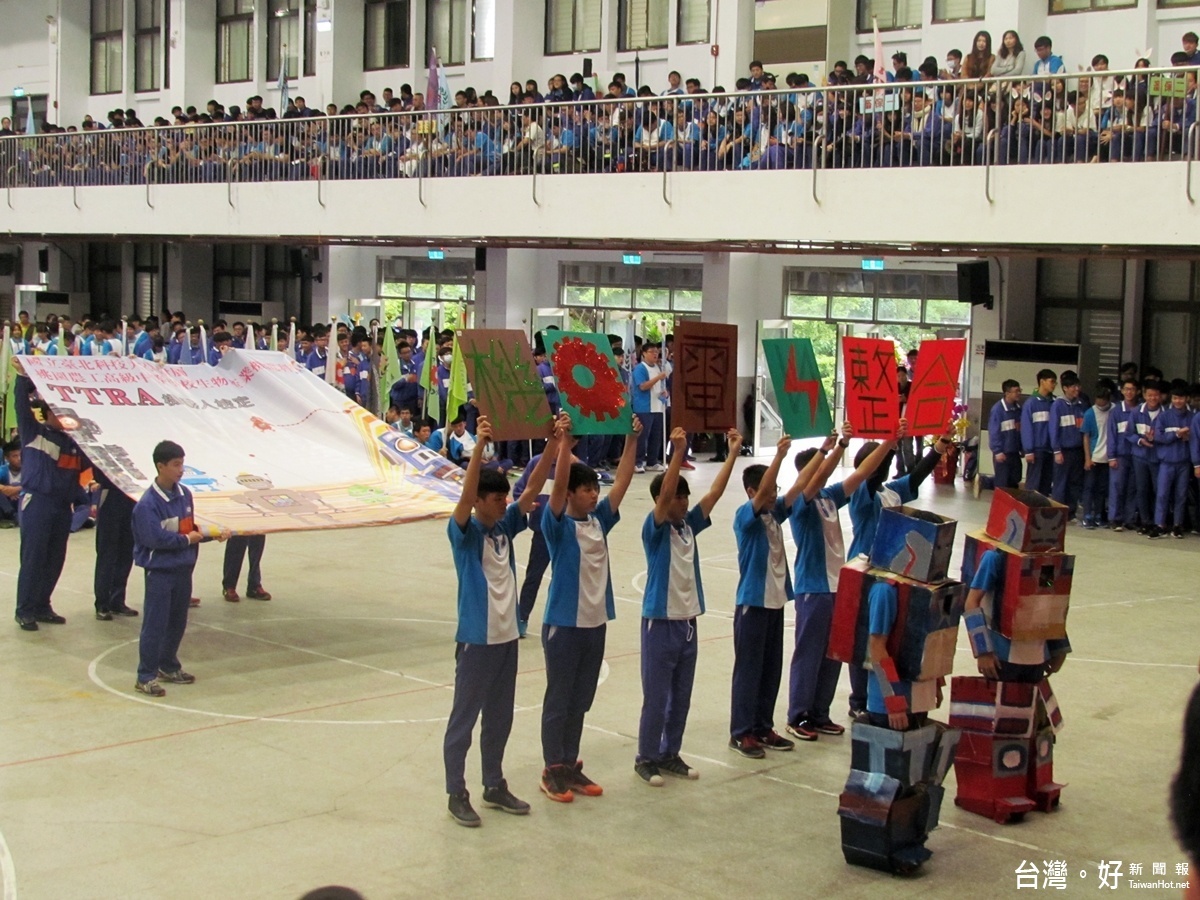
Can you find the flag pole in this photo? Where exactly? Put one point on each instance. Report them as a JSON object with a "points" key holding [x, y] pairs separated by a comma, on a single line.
{"points": [[331, 353], [274, 335]]}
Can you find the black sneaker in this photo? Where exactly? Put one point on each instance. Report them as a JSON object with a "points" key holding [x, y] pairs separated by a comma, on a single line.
{"points": [[748, 746], [580, 783], [27, 623], [1178, 532], [648, 772], [103, 615], [1154, 532], [462, 812], [501, 798], [176, 677], [127, 611], [674, 765], [858, 715], [773, 741], [50, 618], [554, 784]]}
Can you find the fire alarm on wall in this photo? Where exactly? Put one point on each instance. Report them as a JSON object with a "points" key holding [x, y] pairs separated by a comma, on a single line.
{"points": [[716, 50]]}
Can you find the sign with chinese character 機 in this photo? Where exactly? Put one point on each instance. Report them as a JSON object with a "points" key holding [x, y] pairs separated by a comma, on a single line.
{"points": [[508, 388], [799, 392], [704, 383], [872, 394], [934, 386]]}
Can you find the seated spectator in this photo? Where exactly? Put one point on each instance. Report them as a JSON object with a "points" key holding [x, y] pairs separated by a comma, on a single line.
{"points": [[10, 485], [978, 63], [1010, 58]]}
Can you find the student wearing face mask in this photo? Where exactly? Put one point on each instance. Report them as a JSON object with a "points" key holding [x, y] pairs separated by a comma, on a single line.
{"points": [[442, 374], [866, 503]]}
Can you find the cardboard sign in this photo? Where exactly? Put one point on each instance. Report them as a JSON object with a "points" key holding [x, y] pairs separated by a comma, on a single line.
{"points": [[508, 387], [799, 392], [872, 396], [704, 383], [934, 386], [589, 383]]}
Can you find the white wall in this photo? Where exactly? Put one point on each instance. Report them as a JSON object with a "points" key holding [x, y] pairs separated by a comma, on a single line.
{"points": [[27, 57], [705, 207]]}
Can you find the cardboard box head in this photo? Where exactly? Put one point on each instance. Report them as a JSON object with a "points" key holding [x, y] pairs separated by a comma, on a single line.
{"points": [[913, 543], [1027, 521], [925, 632], [1032, 595]]}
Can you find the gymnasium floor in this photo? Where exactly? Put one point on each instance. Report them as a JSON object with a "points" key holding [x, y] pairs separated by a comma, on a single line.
{"points": [[309, 750]]}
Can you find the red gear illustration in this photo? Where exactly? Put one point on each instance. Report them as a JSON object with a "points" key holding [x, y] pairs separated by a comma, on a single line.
{"points": [[604, 399]]}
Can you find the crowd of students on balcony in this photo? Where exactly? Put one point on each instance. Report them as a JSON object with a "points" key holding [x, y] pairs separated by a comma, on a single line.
{"points": [[912, 117]]}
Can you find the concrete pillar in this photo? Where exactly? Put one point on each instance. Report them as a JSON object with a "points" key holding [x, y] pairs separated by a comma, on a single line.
{"points": [[1018, 310], [1134, 310]]}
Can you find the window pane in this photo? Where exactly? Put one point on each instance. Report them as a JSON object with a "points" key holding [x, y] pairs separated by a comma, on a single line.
{"points": [[651, 298], [856, 308], [947, 312], [805, 306], [615, 298], [483, 32], [147, 14], [560, 22], [1170, 339], [1169, 280], [693, 22], [147, 49], [587, 25], [1104, 279], [579, 296], [1058, 324], [374, 36], [423, 290], [899, 309], [687, 301], [958, 9], [847, 282], [644, 24], [1059, 278], [453, 292], [233, 51], [445, 29]]}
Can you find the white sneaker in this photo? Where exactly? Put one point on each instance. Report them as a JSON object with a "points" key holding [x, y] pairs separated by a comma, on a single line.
{"points": [[639, 470], [658, 467]]}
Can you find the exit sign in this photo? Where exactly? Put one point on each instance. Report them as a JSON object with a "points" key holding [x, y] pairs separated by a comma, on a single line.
{"points": [[436, 254], [631, 259], [872, 265]]}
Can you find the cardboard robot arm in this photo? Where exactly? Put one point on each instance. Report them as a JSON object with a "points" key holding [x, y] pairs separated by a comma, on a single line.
{"points": [[978, 632]]}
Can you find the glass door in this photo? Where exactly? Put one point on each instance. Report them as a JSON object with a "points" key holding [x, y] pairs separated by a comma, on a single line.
{"points": [[553, 317], [768, 424], [441, 314]]}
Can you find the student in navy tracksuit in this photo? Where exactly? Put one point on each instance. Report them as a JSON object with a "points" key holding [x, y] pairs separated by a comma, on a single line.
{"points": [[671, 604], [539, 553], [1172, 438], [481, 532], [405, 392], [114, 550], [1140, 436], [1066, 442], [1035, 434], [237, 548], [1122, 485], [50, 468], [164, 544], [1004, 437], [318, 358]]}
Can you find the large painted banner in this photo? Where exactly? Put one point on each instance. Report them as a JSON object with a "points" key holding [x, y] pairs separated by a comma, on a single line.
{"points": [[799, 391], [934, 386], [872, 394], [270, 447], [704, 385]]}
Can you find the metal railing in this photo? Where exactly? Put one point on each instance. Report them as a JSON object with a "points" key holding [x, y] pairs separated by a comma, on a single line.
{"points": [[1137, 115]]}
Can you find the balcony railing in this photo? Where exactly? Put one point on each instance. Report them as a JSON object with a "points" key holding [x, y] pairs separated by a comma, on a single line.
{"points": [[1138, 115]]}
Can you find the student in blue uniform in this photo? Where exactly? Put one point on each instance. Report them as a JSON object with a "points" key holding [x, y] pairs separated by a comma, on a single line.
{"points": [[866, 504], [164, 544], [405, 390], [539, 553], [1066, 443], [764, 589], [236, 549], [1004, 436], [10, 485], [817, 531], [114, 549], [318, 357], [1172, 439], [671, 603], [1097, 451], [51, 464], [1122, 485], [1140, 436], [576, 523], [1035, 434], [481, 533]]}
